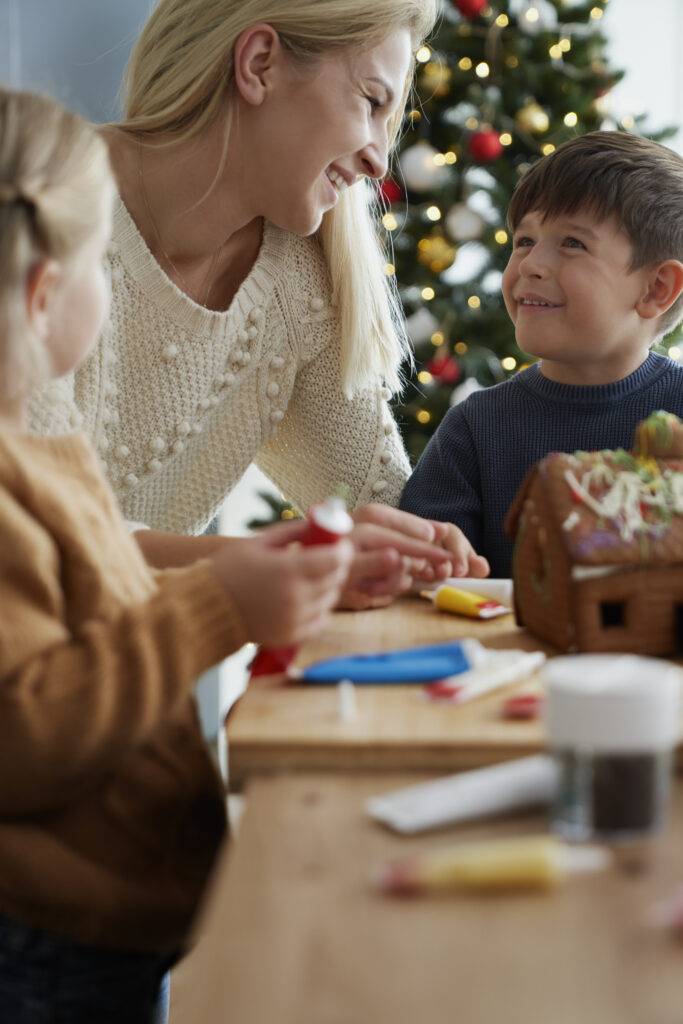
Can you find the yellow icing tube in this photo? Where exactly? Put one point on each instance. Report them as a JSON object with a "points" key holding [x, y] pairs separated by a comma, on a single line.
{"points": [[520, 862], [463, 602]]}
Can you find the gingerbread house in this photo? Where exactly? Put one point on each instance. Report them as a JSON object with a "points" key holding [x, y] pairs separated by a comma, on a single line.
{"points": [[598, 558]]}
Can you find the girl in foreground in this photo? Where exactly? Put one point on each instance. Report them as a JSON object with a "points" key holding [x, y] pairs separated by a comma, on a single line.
{"points": [[110, 809]]}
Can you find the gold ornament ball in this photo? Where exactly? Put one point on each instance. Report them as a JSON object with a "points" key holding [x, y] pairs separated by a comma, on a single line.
{"points": [[532, 118], [436, 79], [436, 253]]}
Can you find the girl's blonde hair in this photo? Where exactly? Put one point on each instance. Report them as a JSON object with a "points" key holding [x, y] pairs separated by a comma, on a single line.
{"points": [[55, 184], [180, 79]]}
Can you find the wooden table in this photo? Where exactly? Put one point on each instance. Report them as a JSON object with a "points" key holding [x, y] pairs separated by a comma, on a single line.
{"points": [[295, 934], [299, 727]]}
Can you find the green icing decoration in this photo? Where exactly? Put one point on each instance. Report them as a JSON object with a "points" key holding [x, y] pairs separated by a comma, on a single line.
{"points": [[659, 426]]}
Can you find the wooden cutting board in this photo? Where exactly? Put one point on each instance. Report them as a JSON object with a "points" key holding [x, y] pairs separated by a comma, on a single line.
{"points": [[299, 727]]}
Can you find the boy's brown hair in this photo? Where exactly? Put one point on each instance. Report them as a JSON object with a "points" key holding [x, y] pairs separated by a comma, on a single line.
{"points": [[614, 174]]}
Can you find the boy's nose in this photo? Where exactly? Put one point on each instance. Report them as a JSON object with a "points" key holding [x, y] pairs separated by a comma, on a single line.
{"points": [[534, 263]]}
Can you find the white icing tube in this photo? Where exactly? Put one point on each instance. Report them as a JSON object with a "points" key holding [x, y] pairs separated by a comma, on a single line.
{"points": [[481, 793]]}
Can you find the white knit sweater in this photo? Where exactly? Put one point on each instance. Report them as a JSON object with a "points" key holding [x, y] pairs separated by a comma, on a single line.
{"points": [[178, 400]]}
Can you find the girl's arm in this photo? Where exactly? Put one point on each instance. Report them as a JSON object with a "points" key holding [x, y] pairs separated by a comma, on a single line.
{"points": [[171, 550], [81, 687], [76, 696]]}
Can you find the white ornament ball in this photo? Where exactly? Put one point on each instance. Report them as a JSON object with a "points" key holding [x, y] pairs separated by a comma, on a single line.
{"points": [[464, 390], [419, 170], [534, 16], [420, 325], [464, 224]]}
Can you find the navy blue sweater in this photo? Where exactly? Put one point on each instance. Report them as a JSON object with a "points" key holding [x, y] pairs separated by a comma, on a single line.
{"points": [[473, 465]]}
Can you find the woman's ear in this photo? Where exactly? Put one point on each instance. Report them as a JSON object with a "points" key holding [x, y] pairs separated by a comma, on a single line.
{"points": [[257, 52], [665, 284], [40, 291]]}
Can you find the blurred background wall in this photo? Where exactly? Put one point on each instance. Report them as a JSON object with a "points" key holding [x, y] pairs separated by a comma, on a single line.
{"points": [[73, 49]]}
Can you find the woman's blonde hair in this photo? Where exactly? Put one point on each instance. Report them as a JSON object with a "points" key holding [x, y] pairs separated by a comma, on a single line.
{"points": [[180, 79], [55, 182]]}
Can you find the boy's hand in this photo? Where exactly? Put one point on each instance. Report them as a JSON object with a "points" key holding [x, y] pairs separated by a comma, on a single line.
{"points": [[283, 591], [466, 562], [396, 550]]}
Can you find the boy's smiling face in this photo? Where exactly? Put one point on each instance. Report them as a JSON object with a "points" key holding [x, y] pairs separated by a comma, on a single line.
{"points": [[572, 297]]}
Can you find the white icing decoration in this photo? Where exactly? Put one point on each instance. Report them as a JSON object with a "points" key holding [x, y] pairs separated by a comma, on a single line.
{"points": [[625, 495], [571, 521]]}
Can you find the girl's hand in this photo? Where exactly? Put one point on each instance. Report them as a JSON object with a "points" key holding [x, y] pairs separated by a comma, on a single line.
{"points": [[283, 591]]}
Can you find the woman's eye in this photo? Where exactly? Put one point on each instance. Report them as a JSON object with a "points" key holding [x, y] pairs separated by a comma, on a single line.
{"points": [[374, 102]]}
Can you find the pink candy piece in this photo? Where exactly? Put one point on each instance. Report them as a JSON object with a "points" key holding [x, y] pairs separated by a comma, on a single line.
{"points": [[524, 705], [442, 689]]}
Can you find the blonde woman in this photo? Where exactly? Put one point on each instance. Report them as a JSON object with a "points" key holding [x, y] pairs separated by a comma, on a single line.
{"points": [[251, 319]]}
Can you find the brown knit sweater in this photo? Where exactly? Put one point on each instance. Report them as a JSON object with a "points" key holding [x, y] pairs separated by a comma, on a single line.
{"points": [[110, 809]]}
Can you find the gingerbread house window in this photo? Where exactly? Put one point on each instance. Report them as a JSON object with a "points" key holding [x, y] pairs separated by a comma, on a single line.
{"points": [[678, 626], [612, 614]]}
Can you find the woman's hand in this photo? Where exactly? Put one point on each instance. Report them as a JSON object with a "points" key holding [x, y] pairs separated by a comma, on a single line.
{"points": [[395, 550]]}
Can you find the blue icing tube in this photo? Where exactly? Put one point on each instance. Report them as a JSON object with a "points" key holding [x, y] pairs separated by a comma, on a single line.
{"points": [[409, 665]]}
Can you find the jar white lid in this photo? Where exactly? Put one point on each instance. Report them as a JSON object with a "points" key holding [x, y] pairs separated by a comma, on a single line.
{"points": [[620, 703]]}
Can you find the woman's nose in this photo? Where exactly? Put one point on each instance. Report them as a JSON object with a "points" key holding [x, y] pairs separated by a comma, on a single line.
{"points": [[374, 157]]}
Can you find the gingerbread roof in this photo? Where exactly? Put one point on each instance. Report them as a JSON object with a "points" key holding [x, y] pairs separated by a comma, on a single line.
{"points": [[610, 507]]}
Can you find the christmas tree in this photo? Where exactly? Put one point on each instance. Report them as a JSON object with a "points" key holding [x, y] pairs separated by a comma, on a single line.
{"points": [[501, 83]]}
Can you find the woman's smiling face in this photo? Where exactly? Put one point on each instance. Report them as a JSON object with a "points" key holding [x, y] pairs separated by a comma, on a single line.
{"points": [[320, 128]]}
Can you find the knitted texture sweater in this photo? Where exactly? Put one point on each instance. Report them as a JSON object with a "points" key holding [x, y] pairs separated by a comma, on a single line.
{"points": [[473, 465], [179, 400], [111, 811]]}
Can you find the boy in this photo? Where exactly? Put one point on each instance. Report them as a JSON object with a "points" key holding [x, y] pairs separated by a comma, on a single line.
{"points": [[594, 278]]}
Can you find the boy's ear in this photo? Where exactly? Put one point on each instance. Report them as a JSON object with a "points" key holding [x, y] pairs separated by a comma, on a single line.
{"points": [[257, 51], [664, 285], [40, 290]]}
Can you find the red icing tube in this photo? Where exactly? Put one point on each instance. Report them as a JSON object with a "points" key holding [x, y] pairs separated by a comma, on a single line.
{"points": [[327, 523]]}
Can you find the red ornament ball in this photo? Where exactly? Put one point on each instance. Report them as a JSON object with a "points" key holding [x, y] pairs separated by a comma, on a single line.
{"points": [[485, 146], [444, 367], [471, 8], [391, 191]]}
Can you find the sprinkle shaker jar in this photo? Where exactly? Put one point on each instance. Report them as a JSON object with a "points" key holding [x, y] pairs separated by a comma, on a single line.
{"points": [[613, 722]]}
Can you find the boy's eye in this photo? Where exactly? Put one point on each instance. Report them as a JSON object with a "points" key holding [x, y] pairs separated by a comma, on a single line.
{"points": [[523, 241], [574, 243]]}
